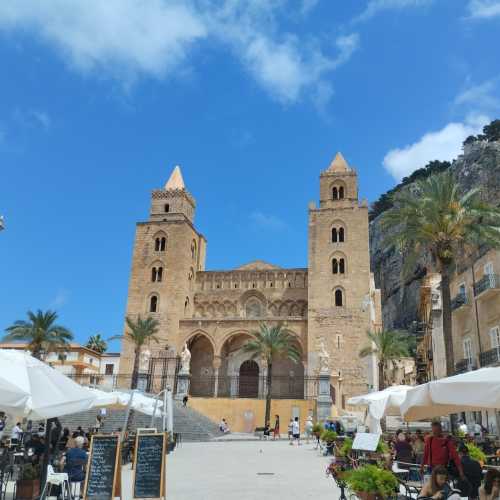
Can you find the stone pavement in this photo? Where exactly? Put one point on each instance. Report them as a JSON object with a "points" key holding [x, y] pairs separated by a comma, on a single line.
{"points": [[248, 470]]}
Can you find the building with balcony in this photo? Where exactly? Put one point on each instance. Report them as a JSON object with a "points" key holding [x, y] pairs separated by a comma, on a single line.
{"points": [[475, 304], [84, 365]]}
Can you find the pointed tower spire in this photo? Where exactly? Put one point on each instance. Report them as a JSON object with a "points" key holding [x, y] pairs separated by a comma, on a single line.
{"points": [[339, 164], [176, 181]]}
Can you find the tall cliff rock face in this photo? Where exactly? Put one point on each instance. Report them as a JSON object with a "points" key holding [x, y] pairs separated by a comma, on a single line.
{"points": [[478, 166]]}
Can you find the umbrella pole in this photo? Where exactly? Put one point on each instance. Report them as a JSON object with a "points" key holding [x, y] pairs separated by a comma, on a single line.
{"points": [[46, 451]]}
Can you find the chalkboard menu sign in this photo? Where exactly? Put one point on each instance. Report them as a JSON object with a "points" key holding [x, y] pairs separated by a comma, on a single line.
{"points": [[103, 468], [149, 465]]}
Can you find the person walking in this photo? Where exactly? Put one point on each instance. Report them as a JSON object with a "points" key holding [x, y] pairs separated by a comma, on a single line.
{"points": [[440, 450], [276, 431], [296, 430], [472, 471], [290, 431], [16, 433]]}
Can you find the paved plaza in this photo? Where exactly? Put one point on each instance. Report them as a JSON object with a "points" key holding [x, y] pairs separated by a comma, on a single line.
{"points": [[262, 470]]}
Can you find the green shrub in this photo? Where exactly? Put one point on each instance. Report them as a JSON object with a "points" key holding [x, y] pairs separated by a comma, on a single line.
{"points": [[346, 447], [317, 429], [30, 472], [328, 436], [382, 447], [372, 479], [476, 453]]}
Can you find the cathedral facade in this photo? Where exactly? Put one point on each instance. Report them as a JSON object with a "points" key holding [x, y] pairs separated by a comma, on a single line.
{"points": [[328, 307]]}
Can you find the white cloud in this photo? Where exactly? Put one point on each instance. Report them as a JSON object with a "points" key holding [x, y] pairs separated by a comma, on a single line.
{"points": [[444, 144], [60, 299], [483, 96], [375, 6], [267, 221], [127, 39], [307, 6], [484, 9]]}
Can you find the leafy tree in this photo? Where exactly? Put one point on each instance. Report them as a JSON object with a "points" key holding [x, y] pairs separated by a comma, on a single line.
{"points": [[269, 343], [386, 345], [492, 131], [41, 333], [140, 332], [97, 343], [436, 220]]}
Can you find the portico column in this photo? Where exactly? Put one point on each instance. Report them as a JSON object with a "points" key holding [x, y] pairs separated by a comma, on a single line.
{"points": [[216, 365]]}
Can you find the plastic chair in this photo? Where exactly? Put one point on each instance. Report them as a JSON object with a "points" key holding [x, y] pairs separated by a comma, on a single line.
{"points": [[56, 479]]}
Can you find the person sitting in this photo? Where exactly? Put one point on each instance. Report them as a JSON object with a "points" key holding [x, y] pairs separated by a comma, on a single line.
{"points": [[491, 487], [267, 431], [76, 458], [38, 447], [403, 450], [437, 486], [223, 427], [472, 471]]}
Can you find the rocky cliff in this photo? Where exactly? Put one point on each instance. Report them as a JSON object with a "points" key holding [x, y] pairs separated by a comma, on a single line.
{"points": [[478, 166]]}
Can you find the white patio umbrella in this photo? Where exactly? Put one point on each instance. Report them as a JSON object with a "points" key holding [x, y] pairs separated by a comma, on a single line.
{"points": [[380, 404], [121, 399], [36, 390], [471, 391]]}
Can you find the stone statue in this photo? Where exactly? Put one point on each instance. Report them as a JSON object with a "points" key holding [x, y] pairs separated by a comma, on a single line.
{"points": [[144, 360], [324, 357], [185, 359]]}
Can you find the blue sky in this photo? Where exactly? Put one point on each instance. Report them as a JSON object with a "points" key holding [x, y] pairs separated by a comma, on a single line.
{"points": [[100, 100]]}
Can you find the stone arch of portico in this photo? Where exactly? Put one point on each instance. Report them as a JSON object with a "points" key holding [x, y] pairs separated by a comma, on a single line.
{"points": [[202, 348]]}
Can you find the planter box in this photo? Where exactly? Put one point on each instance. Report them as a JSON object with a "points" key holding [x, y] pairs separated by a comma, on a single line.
{"points": [[363, 495], [27, 489]]}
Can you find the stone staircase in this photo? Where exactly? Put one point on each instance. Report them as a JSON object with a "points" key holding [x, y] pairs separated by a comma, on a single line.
{"points": [[190, 424]]}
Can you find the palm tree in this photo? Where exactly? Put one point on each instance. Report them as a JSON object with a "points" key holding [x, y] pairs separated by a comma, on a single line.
{"points": [[40, 332], [97, 343], [386, 345], [270, 342], [139, 333], [435, 219]]}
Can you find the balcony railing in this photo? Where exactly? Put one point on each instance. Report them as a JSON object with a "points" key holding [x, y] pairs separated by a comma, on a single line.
{"points": [[487, 282], [491, 357], [459, 300], [465, 365]]}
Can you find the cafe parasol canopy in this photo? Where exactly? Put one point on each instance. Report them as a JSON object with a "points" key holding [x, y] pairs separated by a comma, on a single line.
{"points": [[472, 391], [381, 404], [31, 388]]}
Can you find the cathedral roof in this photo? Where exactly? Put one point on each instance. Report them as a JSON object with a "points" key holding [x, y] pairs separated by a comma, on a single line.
{"points": [[338, 164], [257, 264], [176, 181]]}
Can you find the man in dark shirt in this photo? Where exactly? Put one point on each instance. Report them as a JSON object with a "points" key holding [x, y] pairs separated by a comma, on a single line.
{"points": [[440, 450], [472, 471]]}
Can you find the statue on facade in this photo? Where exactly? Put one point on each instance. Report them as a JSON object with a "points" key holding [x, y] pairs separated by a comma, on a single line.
{"points": [[144, 360], [185, 359], [324, 357]]}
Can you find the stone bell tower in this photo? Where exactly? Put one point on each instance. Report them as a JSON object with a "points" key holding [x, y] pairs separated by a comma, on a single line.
{"points": [[339, 282], [168, 252]]}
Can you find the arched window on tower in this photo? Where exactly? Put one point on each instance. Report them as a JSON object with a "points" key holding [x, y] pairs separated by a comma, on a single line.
{"points": [[341, 234], [159, 274], [341, 192], [167, 208], [335, 193], [163, 244], [153, 304], [339, 299], [157, 244], [335, 266], [153, 274], [335, 235], [341, 266]]}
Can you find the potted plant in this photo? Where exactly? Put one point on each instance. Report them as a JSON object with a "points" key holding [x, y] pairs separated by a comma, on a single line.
{"points": [[476, 453], [28, 486], [317, 429], [372, 483], [345, 449], [328, 436]]}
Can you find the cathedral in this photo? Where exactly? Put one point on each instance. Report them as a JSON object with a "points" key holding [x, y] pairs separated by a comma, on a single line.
{"points": [[328, 307]]}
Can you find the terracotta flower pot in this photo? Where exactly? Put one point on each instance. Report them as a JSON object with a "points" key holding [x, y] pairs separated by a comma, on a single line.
{"points": [[27, 489], [364, 495]]}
